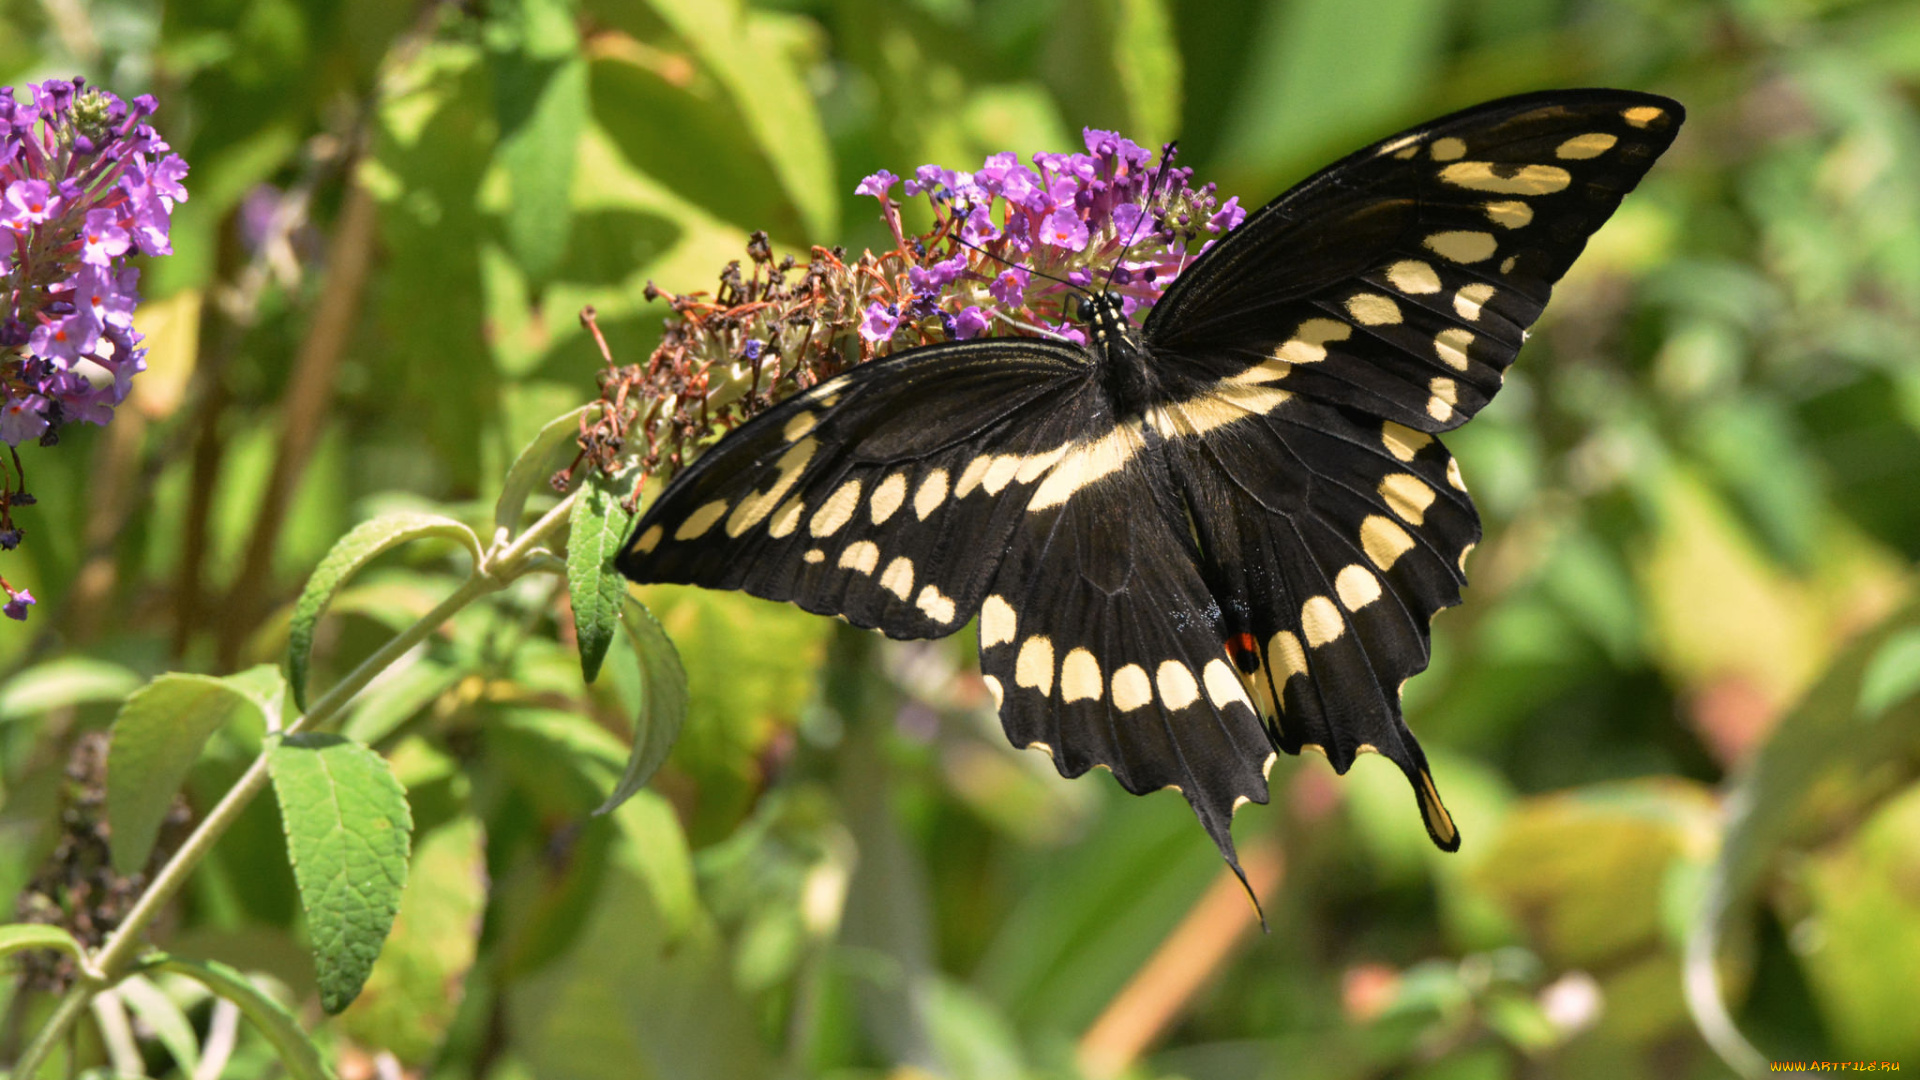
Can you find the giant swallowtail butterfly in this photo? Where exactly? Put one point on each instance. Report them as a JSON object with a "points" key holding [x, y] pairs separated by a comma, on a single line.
{"points": [[1214, 536]]}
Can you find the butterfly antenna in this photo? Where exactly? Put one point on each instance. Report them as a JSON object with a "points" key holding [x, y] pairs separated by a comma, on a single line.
{"points": [[1166, 159], [956, 238]]}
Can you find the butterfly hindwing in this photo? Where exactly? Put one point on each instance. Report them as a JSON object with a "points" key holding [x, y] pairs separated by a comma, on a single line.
{"points": [[885, 495], [1102, 644]]}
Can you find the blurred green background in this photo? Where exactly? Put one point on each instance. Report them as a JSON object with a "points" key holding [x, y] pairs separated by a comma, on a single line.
{"points": [[1678, 705]]}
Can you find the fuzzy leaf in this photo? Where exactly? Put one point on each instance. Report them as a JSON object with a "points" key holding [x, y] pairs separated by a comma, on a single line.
{"points": [[156, 738], [540, 93], [347, 825], [598, 591], [273, 1021], [663, 703], [359, 547]]}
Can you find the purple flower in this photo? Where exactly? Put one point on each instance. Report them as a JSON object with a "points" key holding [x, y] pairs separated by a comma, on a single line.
{"points": [[1064, 229], [1229, 217], [104, 239], [17, 604], [929, 280], [971, 322], [22, 419], [979, 227], [1010, 287], [877, 185], [28, 203], [880, 322]]}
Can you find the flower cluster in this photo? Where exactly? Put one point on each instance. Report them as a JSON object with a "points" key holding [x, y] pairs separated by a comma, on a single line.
{"points": [[85, 182], [1015, 242], [1012, 245]]}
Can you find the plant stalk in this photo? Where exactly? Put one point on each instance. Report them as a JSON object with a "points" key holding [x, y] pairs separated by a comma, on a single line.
{"points": [[102, 969]]}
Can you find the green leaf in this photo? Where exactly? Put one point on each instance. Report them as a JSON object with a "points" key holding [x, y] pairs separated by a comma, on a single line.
{"points": [[156, 738], [598, 591], [1147, 60], [163, 1016], [663, 704], [71, 680], [533, 466], [746, 54], [1821, 746], [1892, 676], [347, 825], [395, 695], [22, 936], [411, 996], [297, 1052], [540, 94], [366, 542]]}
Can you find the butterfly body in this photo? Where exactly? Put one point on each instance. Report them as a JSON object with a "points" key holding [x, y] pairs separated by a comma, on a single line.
{"points": [[1218, 535]]}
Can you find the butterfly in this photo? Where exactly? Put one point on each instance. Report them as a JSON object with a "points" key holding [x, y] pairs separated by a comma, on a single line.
{"points": [[1219, 535]]}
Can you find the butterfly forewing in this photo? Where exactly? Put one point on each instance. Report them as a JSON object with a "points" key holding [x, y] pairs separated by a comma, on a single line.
{"points": [[882, 495]]}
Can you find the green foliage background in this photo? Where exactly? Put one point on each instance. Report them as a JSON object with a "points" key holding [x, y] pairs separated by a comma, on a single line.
{"points": [[1679, 703]]}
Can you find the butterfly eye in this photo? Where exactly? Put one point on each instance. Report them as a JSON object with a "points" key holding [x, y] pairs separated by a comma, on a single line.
{"points": [[1083, 308]]}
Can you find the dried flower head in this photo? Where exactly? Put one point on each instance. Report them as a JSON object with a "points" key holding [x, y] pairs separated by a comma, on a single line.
{"points": [[1011, 245]]}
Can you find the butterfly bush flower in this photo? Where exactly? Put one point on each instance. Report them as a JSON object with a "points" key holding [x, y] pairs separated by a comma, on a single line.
{"points": [[85, 182], [1013, 243]]}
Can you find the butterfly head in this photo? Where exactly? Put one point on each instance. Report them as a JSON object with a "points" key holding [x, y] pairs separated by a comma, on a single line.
{"points": [[1104, 317]]}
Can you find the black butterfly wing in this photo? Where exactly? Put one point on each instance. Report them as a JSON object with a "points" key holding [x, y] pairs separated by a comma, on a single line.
{"points": [[886, 495], [1101, 642], [1375, 304], [1399, 282]]}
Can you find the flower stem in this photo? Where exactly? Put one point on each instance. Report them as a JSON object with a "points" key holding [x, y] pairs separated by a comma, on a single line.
{"points": [[104, 968]]}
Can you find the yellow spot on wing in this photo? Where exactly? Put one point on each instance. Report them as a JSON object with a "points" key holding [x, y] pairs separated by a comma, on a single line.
{"points": [[798, 426], [1177, 688], [755, 507], [898, 577], [933, 492], [997, 622], [700, 520], [1000, 697], [1449, 149], [1413, 277], [1445, 397], [860, 556], [970, 476], [1582, 147], [1468, 302], [1309, 343], [1080, 678], [1453, 474], [1131, 688], [648, 540], [1223, 685], [937, 605], [888, 497], [1462, 246], [1507, 180], [1034, 668], [1383, 541], [1321, 621], [1408, 496], [1509, 214], [1451, 344], [1403, 442], [1372, 309], [1357, 587], [836, 511], [1087, 462], [1286, 656], [814, 555], [1641, 115], [786, 518]]}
